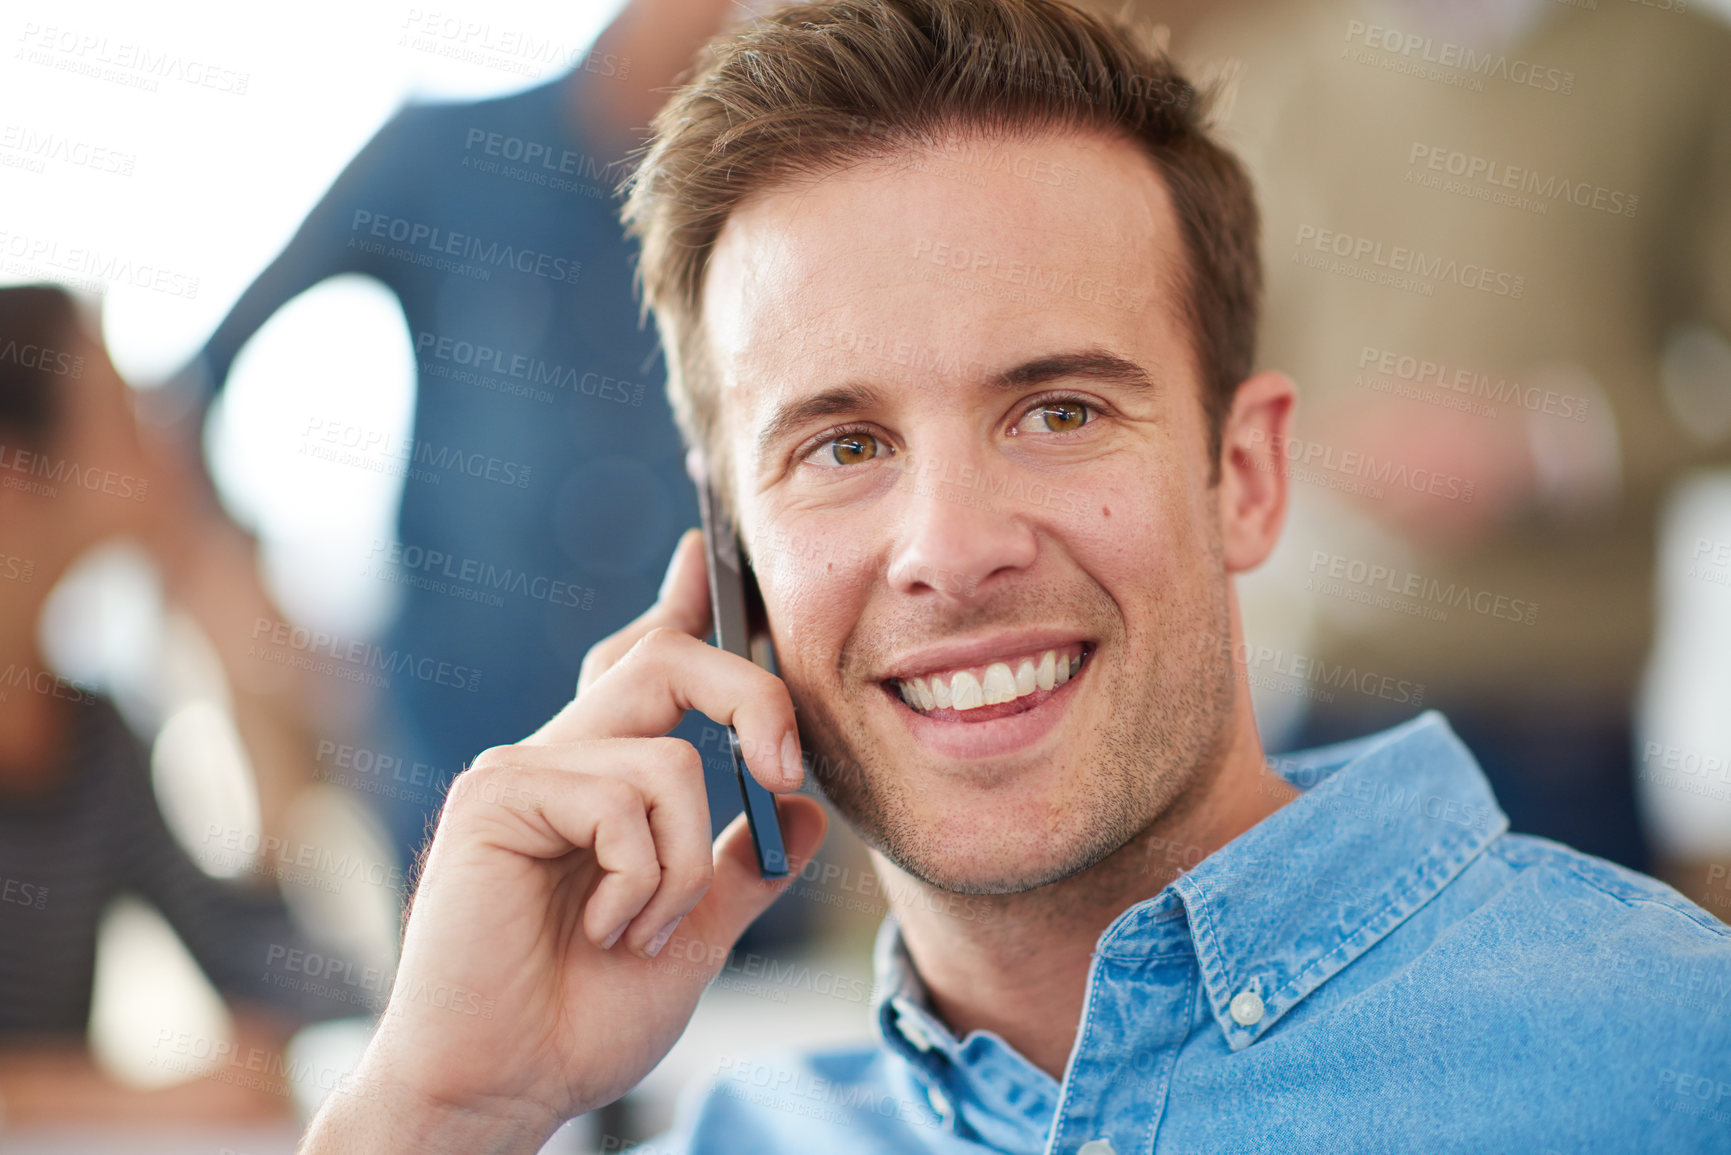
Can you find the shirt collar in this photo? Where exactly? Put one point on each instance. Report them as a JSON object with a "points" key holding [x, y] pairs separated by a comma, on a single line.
{"points": [[1383, 823]]}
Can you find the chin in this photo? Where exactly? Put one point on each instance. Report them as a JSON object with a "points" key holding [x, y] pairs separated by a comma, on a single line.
{"points": [[997, 854]]}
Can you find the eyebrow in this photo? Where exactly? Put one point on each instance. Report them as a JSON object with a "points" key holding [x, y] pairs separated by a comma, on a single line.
{"points": [[1094, 364]]}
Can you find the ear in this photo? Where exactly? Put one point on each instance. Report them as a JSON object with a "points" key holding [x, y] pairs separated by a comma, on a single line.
{"points": [[1253, 483]]}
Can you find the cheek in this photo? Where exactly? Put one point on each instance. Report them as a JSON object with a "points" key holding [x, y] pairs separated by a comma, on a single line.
{"points": [[815, 586], [1138, 528]]}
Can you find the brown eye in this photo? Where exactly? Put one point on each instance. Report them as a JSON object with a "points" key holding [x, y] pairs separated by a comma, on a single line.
{"points": [[1063, 416], [853, 448]]}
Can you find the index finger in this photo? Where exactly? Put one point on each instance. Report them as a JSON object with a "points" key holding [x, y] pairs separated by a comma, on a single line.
{"points": [[683, 605]]}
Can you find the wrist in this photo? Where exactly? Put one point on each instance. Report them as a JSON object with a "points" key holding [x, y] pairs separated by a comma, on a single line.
{"points": [[376, 1110]]}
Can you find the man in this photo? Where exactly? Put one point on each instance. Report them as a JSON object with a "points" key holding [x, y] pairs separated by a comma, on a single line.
{"points": [[960, 302]]}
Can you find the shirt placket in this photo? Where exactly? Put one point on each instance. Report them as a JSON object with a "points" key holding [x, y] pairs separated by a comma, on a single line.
{"points": [[1139, 1011]]}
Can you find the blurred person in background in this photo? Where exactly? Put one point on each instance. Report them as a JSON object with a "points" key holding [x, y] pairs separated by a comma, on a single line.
{"points": [[495, 225], [79, 821], [1487, 450]]}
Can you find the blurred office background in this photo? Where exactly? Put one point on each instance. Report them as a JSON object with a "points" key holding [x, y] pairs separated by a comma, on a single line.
{"points": [[1572, 615]]}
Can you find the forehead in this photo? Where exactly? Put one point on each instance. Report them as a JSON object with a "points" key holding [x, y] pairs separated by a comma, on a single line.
{"points": [[950, 262]]}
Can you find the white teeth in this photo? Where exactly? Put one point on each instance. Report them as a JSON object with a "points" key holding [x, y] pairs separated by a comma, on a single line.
{"points": [[965, 692], [999, 684]]}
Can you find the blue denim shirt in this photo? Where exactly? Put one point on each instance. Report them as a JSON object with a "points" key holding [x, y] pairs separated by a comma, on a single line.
{"points": [[1377, 966]]}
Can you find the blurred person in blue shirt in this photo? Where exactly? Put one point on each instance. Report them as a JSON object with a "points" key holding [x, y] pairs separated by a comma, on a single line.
{"points": [[539, 409], [960, 298]]}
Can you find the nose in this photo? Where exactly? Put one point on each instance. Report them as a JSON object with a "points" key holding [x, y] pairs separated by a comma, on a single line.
{"points": [[958, 533]]}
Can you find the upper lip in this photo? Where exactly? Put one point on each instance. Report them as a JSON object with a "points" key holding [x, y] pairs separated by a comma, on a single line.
{"points": [[959, 653]]}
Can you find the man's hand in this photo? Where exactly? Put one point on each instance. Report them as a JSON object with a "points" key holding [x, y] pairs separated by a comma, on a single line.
{"points": [[529, 990]]}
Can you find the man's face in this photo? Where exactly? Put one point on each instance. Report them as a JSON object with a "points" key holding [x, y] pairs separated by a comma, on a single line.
{"points": [[969, 448]]}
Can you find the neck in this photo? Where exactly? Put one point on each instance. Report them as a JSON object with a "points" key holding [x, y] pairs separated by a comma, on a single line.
{"points": [[1018, 965]]}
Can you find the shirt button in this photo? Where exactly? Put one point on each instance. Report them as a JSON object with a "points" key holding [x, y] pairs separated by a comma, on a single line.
{"points": [[1096, 1147], [1247, 1009], [913, 1032]]}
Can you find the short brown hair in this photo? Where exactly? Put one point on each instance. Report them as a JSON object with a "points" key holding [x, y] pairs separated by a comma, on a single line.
{"points": [[817, 87]]}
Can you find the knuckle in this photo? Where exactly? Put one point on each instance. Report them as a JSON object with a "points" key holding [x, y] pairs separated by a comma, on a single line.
{"points": [[602, 656], [661, 639], [676, 756], [696, 877], [486, 769], [615, 798]]}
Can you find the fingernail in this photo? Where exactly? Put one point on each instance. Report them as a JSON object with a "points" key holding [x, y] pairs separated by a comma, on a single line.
{"points": [[607, 943], [661, 937], [790, 764]]}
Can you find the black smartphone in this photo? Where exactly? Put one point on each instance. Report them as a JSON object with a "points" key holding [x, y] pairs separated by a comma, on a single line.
{"points": [[741, 627]]}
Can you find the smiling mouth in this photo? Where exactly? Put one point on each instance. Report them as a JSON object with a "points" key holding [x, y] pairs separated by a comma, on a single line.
{"points": [[994, 690]]}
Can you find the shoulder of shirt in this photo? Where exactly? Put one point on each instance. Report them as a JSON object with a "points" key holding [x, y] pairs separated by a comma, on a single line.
{"points": [[1638, 893]]}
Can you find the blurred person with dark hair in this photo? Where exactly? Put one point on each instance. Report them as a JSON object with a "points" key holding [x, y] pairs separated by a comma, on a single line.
{"points": [[79, 821], [495, 225]]}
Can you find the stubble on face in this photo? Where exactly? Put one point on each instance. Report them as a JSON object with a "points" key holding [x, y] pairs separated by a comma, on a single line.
{"points": [[1172, 700]]}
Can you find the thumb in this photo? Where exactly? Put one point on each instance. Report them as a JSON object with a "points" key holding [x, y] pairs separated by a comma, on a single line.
{"points": [[739, 892]]}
